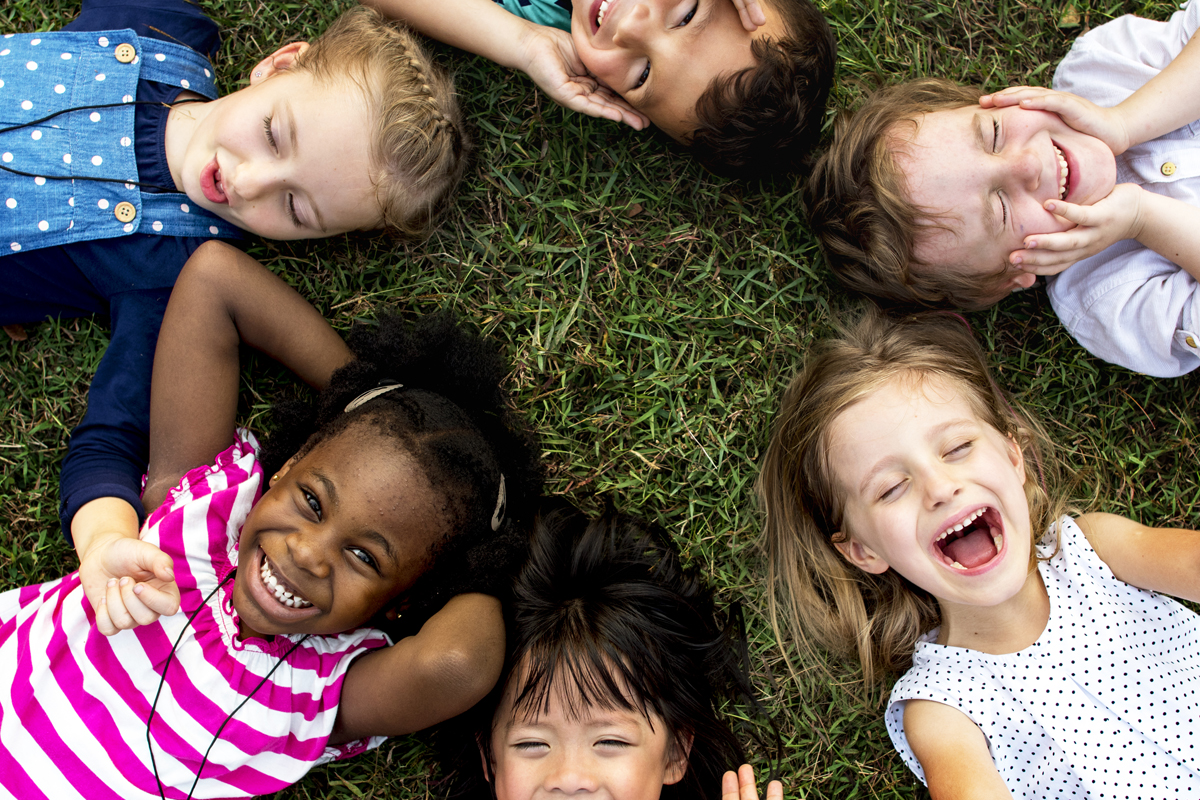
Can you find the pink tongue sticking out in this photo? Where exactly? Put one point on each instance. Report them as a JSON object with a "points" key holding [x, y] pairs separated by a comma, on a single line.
{"points": [[973, 549]]}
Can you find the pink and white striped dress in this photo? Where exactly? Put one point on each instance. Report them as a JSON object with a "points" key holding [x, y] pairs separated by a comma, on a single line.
{"points": [[74, 703]]}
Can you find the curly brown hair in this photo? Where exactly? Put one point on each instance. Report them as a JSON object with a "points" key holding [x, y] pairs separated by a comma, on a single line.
{"points": [[765, 120], [857, 200]]}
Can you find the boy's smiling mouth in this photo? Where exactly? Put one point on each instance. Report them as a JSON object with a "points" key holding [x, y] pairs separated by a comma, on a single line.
{"points": [[274, 596], [975, 540], [1064, 172], [282, 591]]}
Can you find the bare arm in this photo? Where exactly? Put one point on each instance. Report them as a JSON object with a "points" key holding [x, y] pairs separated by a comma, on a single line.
{"points": [[1165, 560], [953, 752], [547, 55], [223, 297], [449, 666]]}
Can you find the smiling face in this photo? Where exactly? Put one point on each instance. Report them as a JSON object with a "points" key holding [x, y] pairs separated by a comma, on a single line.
{"points": [[287, 157], [933, 492], [340, 534], [989, 172], [661, 55], [575, 749]]}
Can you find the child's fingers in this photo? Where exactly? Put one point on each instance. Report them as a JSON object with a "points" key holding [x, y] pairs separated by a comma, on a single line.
{"points": [[775, 790], [1011, 96], [135, 604], [103, 621], [1044, 262], [729, 786], [161, 600], [117, 612], [751, 14], [746, 787]]}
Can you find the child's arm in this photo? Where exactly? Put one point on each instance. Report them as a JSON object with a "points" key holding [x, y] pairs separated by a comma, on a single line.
{"points": [[741, 786], [1167, 101], [222, 298], [1165, 225], [953, 752], [1165, 560], [447, 667], [545, 54]]}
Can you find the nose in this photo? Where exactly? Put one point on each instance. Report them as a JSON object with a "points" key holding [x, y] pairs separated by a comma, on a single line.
{"points": [[940, 485], [253, 180], [309, 552], [632, 27], [570, 773], [1024, 168]]}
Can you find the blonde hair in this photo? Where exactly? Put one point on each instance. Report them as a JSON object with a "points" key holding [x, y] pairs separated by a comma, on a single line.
{"points": [[420, 149], [857, 199], [825, 600]]}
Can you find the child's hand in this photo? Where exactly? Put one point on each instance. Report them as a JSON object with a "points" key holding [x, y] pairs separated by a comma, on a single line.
{"points": [[128, 582], [1097, 226], [548, 56], [741, 786], [751, 13], [1106, 124]]}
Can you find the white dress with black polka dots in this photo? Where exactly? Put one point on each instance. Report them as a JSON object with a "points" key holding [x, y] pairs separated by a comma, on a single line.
{"points": [[1105, 704]]}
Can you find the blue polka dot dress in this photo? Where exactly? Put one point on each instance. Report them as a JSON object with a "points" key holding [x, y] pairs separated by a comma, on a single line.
{"points": [[1105, 704]]}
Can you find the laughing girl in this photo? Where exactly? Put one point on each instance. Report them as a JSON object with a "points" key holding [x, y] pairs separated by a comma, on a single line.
{"points": [[914, 519]]}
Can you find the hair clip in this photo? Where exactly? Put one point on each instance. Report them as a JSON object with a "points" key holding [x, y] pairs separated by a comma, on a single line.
{"points": [[371, 394], [501, 501]]}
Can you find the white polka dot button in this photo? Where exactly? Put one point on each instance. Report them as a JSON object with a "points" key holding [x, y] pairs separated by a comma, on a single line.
{"points": [[43, 226], [40, 181], [35, 135], [97, 161], [34, 42], [31, 66], [184, 208], [100, 76], [66, 158], [159, 57], [157, 226], [94, 116], [11, 202], [183, 82], [213, 230], [103, 203], [59, 89], [126, 141], [26, 104], [125, 212], [103, 41], [15, 246], [7, 157], [65, 56]]}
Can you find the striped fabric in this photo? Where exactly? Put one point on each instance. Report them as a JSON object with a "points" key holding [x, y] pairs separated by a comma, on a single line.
{"points": [[74, 705]]}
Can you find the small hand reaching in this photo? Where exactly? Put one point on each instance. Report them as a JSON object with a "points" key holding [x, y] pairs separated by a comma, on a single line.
{"points": [[549, 57], [751, 14], [1097, 226], [742, 787], [128, 582], [1106, 124]]}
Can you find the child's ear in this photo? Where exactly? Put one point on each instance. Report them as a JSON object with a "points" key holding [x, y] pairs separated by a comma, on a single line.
{"points": [[483, 760], [282, 471], [859, 554], [681, 750], [1017, 457], [279, 61], [1023, 280]]}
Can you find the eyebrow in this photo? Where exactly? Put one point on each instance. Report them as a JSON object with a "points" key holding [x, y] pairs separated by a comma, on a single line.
{"points": [[892, 460], [294, 137], [694, 29], [989, 213]]}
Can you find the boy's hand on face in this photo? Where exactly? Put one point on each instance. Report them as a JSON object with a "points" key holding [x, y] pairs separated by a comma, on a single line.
{"points": [[751, 14], [129, 582], [742, 787], [1097, 226], [1106, 124], [549, 57]]}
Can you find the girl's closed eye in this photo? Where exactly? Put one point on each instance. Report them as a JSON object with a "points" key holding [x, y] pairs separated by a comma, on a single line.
{"points": [[960, 449], [996, 149], [267, 120], [892, 491], [614, 743], [530, 746]]}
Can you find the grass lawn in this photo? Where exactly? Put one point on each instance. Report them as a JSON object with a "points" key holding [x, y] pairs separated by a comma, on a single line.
{"points": [[652, 313]]}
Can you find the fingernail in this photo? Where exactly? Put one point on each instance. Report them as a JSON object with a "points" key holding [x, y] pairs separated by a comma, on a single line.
{"points": [[1050, 205], [103, 600], [125, 581], [137, 589], [112, 582], [1016, 261], [1031, 244]]}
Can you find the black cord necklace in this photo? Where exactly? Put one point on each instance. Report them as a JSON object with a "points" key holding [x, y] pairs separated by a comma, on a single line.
{"points": [[48, 117], [162, 680]]}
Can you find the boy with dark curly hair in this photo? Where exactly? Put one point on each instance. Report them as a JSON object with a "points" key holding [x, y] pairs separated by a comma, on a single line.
{"points": [[742, 83]]}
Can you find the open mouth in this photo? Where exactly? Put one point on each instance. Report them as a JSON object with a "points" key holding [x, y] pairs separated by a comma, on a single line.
{"points": [[973, 541], [604, 4], [283, 592], [1064, 172]]}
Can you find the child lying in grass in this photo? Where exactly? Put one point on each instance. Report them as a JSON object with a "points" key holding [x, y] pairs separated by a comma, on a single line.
{"points": [[932, 194], [742, 83]]}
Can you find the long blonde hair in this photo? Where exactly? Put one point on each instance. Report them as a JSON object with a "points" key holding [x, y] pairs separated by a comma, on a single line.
{"points": [[419, 146], [824, 600]]}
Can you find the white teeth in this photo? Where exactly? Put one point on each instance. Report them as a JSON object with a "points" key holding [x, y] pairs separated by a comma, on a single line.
{"points": [[957, 565], [998, 540], [961, 525], [1063, 172], [600, 13], [281, 594]]}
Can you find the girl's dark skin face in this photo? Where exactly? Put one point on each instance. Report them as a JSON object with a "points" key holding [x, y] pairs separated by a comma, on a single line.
{"points": [[340, 533]]}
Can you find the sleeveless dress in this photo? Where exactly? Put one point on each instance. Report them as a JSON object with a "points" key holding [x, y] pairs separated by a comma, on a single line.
{"points": [[1105, 704]]}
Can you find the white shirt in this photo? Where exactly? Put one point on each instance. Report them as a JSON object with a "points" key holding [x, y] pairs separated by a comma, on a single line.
{"points": [[1128, 304]]}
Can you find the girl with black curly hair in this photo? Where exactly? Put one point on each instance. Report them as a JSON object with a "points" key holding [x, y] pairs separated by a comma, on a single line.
{"points": [[617, 657], [400, 507]]}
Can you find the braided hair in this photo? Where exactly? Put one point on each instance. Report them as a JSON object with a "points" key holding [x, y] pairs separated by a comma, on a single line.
{"points": [[453, 419], [421, 147]]}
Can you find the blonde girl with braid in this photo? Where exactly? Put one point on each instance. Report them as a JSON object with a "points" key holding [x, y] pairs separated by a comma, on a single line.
{"points": [[357, 130]]}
